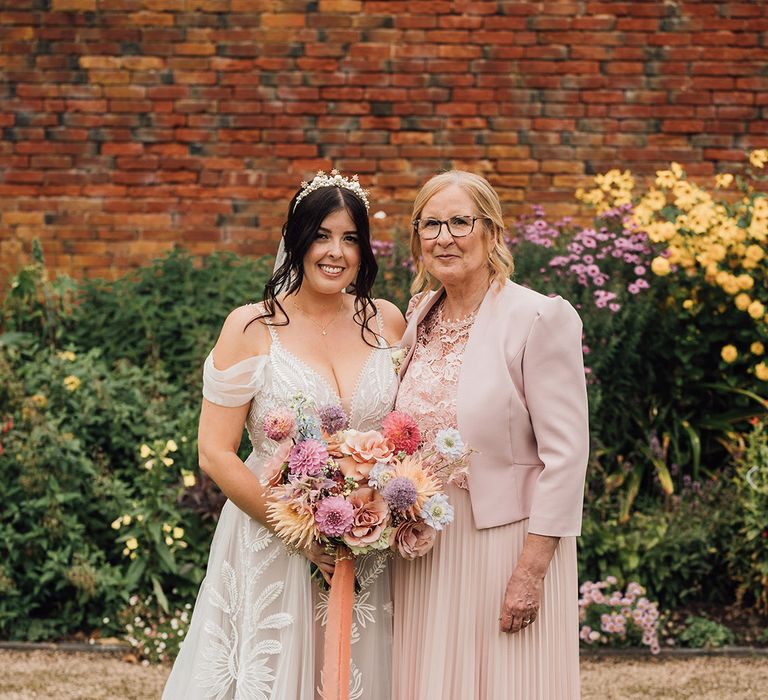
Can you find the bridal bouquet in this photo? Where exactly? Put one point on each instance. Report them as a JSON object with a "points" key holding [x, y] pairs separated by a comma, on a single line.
{"points": [[363, 491]]}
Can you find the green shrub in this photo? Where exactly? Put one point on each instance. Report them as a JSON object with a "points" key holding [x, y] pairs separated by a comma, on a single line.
{"points": [[701, 633]]}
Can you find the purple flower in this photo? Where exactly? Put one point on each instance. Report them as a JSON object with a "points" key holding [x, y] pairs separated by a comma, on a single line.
{"points": [[308, 457], [334, 516], [332, 418], [400, 493]]}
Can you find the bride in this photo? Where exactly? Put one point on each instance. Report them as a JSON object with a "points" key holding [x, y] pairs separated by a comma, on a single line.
{"points": [[257, 627]]}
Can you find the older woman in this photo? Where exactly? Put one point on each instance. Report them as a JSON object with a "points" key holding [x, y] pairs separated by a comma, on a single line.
{"points": [[491, 611]]}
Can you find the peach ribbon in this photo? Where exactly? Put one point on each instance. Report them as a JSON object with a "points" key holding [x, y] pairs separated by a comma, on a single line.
{"points": [[338, 629]]}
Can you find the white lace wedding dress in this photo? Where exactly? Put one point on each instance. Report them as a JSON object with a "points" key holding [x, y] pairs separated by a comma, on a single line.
{"points": [[257, 627]]}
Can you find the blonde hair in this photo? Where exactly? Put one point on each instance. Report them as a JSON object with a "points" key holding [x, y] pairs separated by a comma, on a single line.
{"points": [[500, 261]]}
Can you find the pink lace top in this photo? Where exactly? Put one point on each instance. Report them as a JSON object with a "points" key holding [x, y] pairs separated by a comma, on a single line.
{"points": [[428, 389]]}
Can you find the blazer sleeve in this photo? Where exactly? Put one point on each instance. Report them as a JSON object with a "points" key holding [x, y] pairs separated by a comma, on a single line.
{"points": [[556, 396]]}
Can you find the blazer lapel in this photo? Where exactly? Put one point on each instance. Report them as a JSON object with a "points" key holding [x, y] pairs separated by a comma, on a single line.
{"points": [[409, 337]]}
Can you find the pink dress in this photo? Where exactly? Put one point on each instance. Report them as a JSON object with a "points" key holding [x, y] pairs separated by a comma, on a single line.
{"points": [[447, 642]]}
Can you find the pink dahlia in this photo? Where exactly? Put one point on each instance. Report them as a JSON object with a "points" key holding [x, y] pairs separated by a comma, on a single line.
{"points": [[279, 424], [334, 516], [308, 457], [402, 431]]}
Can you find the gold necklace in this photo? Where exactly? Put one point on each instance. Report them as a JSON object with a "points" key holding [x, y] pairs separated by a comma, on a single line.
{"points": [[323, 328]]}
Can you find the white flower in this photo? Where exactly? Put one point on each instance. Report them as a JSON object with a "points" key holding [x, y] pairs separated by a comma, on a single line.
{"points": [[398, 357], [437, 512], [145, 451], [449, 443], [380, 475], [171, 446]]}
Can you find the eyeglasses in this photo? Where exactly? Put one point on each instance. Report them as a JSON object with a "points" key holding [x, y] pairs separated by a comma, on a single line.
{"points": [[458, 226]]}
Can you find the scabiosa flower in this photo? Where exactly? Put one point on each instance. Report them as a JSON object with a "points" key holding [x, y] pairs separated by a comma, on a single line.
{"points": [[308, 457], [449, 443], [400, 493], [437, 512], [380, 475], [279, 424], [332, 418], [402, 431], [334, 516]]}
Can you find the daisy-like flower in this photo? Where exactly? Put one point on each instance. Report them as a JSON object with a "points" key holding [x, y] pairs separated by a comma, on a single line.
{"points": [[308, 457], [400, 493], [334, 516], [437, 512], [71, 382], [293, 520], [449, 443], [380, 475], [402, 431], [426, 483], [279, 424], [332, 419]]}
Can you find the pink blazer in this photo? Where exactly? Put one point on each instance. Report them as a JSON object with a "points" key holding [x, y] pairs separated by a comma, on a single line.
{"points": [[522, 404]]}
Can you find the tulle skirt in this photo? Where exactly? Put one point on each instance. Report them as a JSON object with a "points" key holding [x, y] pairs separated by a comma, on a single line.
{"points": [[447, 642]]}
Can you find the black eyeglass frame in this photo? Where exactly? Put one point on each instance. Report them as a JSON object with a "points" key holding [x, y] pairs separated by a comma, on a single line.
{"points": [[416, 222]]}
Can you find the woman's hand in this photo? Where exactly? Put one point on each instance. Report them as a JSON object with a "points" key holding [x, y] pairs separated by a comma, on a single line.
{"points": [[325, 562], [522, 600]]}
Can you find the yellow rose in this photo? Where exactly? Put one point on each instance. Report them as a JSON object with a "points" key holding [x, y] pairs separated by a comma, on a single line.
{"points": [[745, 281], [754, 252], [688, 304], [71, 382], [757, 348], [731, 285], [756, 309], [729, 353], [660, 266], [742, 301], [131, 543], [761, 372]]}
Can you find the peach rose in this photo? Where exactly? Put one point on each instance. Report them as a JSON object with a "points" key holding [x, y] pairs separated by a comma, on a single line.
{"points": [[412, 539], [272, 470], [371, 517], [365, 449]]}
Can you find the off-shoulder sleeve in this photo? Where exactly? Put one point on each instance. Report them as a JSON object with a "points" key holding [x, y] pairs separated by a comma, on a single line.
{"points": [[237, 384], [556, 395]]}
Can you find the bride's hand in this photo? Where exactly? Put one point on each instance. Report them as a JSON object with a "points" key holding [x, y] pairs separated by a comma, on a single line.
{"points": [[321, 559]]}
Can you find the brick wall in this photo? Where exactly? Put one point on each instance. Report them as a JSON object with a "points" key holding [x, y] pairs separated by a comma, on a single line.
{"points": [[131, 125]]}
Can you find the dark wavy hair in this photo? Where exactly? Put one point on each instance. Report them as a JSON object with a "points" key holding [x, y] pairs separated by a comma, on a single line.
{"points": [[299, 231]]}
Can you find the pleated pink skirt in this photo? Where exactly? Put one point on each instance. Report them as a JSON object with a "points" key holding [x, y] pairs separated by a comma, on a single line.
{"points": [[447, 643]]}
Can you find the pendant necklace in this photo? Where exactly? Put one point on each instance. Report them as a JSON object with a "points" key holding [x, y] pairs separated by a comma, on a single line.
{"points": [[323, 328]]}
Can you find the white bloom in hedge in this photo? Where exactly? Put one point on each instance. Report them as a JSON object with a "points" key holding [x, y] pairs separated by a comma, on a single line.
{"points": [[145, 451], [167, 461], [178, 532], [166, 527], [169, 540], [171, 446], [183, 438], [189, 478], [126, 519], [131, 543], [149, 464], [140, 517], [126, 551], [116, 523]]}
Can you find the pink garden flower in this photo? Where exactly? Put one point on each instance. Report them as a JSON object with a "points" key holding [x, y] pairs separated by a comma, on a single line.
{"points": [[279, 424], [412, 539], [370, 519], [273, 467], [363, 450], [334, 516], [402, 431], [308, 457]]}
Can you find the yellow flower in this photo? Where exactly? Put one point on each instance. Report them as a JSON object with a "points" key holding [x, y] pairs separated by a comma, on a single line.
{"points": [[126, 519], [660, 266], [723, 180], [688, 304], [757, 348], [754, 252], [169, 541], [745, 281], [116, 523], [756, 309], [758, 158], [729, 353], [131, 543], [661, 231], [189, 478], [178, 533], [731, 285], [655, 200], [171, 446], [677, 170], [67, 356], [665, 179], [140, 517], [761, 371], [145, 451], [742, 301], [71, 382], [167, 527], [126, 551], [39, 400], [167, 461], [149, 464]]}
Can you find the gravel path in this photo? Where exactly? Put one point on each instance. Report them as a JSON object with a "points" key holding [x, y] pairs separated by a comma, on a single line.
{"points": [[67, 676]]}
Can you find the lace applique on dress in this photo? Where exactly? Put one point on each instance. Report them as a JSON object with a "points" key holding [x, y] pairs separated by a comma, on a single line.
{"points": [[428, 389]]}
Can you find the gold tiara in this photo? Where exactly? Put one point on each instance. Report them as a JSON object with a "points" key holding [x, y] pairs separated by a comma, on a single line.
{"points": [[335, 179]]}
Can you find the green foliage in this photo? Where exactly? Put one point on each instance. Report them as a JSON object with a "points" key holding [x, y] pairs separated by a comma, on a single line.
{"points": [[701, 633], [154, 634], [748, 557]]}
